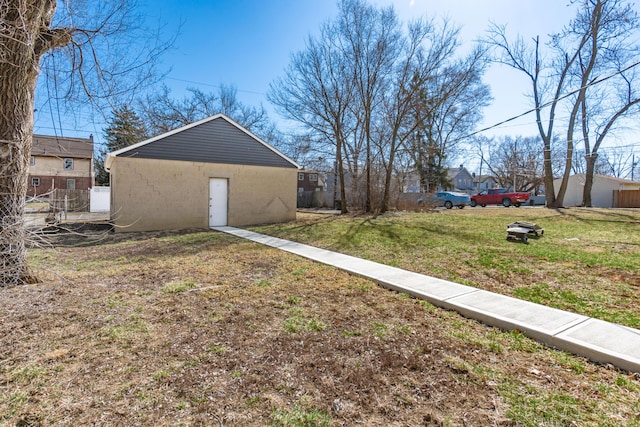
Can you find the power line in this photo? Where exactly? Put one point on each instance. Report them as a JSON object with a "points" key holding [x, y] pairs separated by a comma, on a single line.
{"points": [[55, 87], [55, 132], [548, 103], [215, 86]]}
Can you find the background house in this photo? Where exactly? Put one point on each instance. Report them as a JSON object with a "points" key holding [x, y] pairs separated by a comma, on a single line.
{"points": [[60, 163], [209, 173], [310, 182], [461, 179], [484, 182], [602, 193], [410, 182]]}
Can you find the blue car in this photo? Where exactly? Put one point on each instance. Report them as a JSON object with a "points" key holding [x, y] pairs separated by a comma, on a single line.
{"points": [[449, 199]]}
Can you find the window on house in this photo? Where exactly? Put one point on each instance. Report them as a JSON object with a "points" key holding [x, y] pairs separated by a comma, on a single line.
{"points": [[68, 164], [313, 177], [32, 161], [35, 182], [71, 184], [300, 177]]}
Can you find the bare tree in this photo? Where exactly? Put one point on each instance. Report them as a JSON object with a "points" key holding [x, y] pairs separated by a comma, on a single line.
{"points": [[317, 91], [371, 42], [163, 113], [548, 83], [581, 51], [608, 162], [358, 86], [516, 162], [433, 100], [634, 169], [80, 40], [615, 163], [395, 125], [602, 104], [447, 107]]}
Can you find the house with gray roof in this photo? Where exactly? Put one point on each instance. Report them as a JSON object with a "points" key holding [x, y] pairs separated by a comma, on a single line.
{"points": [[461, 179]]}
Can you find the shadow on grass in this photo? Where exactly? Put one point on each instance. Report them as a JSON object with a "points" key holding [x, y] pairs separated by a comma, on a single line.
{"points": [[73, 235], [598, 215], [406, 234], [355, 231]]}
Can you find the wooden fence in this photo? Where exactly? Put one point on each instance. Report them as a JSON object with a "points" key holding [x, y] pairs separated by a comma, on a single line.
{"points": [[626, 198], [69, 201]]}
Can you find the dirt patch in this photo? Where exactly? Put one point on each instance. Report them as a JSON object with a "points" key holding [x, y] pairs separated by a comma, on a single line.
{"points": [[205, 329]]}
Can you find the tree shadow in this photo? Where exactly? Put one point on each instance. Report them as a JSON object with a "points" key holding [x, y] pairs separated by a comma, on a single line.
{"points": [[611, 215], [95, 234]]}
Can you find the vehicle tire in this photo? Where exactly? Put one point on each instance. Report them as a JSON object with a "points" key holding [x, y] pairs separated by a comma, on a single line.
{"points": [[506, 202], [473, 204], [517, 205], [483, 205], [531, 203], [448, 204], [460, 206], [524, 238]]}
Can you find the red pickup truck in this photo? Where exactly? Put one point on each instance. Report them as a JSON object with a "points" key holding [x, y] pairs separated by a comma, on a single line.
{"points": [[497, 196]]}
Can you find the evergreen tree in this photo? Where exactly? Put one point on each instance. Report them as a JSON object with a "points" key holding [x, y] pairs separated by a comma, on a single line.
{"points": [[124, 129]]}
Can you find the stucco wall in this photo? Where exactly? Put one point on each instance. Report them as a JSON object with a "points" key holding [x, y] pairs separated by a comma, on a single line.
{"points": [[54, 166], [149, 194], [601, 192], [50, 170]]}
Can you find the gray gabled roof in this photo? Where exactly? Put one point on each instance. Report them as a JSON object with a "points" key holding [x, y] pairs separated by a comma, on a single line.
{"points": [[216, 139]]}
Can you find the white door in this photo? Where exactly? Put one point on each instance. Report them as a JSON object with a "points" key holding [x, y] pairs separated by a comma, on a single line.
{"points": [[217, 202]]}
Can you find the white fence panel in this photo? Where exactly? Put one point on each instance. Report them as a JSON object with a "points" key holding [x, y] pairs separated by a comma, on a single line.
{"points": [[100, 199]]}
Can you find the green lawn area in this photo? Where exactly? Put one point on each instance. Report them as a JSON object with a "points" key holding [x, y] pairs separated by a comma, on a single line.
{"points": [[588, 260]]}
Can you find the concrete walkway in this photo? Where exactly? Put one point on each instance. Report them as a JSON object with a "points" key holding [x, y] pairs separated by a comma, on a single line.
{"points": [[595, 339]]}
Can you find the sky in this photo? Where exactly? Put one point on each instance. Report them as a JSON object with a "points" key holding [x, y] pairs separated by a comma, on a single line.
{"points": [[248, 44]]}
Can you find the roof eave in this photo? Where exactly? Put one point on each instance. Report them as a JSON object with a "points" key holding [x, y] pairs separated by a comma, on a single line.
{"points": [[107, 162]]}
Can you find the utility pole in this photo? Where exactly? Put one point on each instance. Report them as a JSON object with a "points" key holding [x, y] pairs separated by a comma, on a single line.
{"points": [[480, 173]]}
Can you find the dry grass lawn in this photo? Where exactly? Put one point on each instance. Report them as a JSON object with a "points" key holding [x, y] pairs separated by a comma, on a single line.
{"points": [[203, 329]]}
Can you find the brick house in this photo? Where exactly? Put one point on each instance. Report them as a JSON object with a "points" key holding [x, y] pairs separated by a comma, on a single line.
{"points": [[310, 180], [57, 162], [311, 189]]}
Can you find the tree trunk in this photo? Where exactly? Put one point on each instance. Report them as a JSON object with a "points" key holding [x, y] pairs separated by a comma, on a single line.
{"points": [[24, 36], [588, 180], [16, 128], [549, 190], [565, 177], [387, 181], [340, 172], [367, 203]]}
